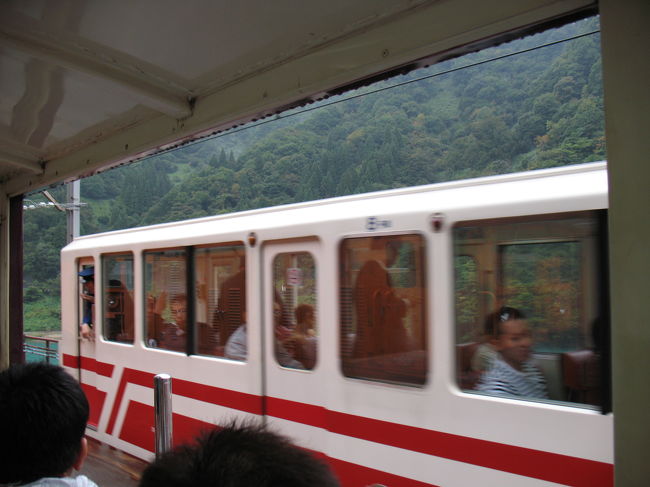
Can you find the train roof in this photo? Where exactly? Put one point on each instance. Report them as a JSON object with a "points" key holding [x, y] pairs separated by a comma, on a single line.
{"points": [[542, 184]]}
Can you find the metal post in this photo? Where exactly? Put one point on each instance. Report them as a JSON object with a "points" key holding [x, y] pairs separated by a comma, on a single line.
{"points": [[163, 411], [72, 210]]}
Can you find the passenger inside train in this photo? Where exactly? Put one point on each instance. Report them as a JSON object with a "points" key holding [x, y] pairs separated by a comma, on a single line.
{"points": [[302, 341], [510, 371], [174, 334], [545, 267], [88, 299], [383, 309], [236, 348]]}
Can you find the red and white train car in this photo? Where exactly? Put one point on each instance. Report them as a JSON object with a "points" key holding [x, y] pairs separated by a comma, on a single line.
{"points": [[350, 325]]}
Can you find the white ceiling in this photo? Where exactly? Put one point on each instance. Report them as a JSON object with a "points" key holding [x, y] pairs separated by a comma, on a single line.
{"points": [[89, 84]]}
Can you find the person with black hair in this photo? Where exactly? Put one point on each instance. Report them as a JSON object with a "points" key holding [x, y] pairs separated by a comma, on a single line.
{"points": [[511, 373], [485, 353], [88, 299], [238, 456], [43, 416]]}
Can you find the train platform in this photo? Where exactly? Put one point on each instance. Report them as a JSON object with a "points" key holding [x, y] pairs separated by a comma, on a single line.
{"points": [[108, 467]]}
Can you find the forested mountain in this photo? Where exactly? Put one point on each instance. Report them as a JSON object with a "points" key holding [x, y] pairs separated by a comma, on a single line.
{"points": [[541, 108]]}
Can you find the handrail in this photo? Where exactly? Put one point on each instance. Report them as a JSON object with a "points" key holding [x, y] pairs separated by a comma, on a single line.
{"points": [[50, 353]]}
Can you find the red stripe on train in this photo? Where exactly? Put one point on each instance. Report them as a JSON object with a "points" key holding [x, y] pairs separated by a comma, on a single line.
{"points": [[96, 400], [538, 464], [89, 364], [552, 467], [138, 427], [353, 475], [241, 401]]}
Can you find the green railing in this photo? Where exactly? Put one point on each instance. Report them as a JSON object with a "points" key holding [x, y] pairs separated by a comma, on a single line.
{"points": [[41, 349]]}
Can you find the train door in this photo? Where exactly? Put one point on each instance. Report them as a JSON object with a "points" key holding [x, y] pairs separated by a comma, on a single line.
{"points": [[294, 375], [86, 326]]}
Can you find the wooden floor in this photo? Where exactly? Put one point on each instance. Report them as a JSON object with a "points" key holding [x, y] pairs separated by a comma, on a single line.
{"points": [[108, 467]]}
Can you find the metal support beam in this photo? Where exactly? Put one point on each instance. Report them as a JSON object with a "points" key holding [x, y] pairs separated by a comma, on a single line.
{"points": [[626, 77], [72, 210], [16, 353], [4, 280]]}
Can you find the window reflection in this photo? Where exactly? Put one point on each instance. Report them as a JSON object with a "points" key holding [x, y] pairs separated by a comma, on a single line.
{"points": [[165, 292], [220, 303], [294, 310], [117, 289], [383, 326], [535, 278]]}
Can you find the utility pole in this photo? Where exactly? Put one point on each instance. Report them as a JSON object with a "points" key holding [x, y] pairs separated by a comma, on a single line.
{"points": [[72, 213], [71, 207]]}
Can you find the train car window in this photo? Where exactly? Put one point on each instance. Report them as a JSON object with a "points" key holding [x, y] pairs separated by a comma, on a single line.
{"points": [[383, 322], [165, 282], [117, 297], [220, 300], [294, 310], [538, 295]]}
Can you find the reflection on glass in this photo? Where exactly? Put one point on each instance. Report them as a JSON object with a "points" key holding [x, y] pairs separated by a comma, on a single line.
{"points": [[117, 293], [294, 312], [166, 299], [533, 281], [220, 301], [383, 325]]}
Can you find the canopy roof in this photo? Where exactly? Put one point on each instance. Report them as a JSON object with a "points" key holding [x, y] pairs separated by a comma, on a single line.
{"points": [[88, 84]]}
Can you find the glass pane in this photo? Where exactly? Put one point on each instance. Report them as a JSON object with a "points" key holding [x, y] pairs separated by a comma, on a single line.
{"points": [[543, 280], [165, 292], [220, 300], [536, 301], [296, 329], [117, 294], [86, 273], [467, 304], [383, 322]]}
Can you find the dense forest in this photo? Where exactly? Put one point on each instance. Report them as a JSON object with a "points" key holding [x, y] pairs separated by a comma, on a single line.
{"points": [[490, 112]]}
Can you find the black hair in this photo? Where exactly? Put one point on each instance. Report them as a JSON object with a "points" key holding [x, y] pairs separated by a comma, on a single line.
{"points": [[43, 416], [238, 456], [493, 321]]}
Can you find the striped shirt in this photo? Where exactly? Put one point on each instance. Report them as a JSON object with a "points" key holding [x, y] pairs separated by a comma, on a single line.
{"points": [[503, 380]]}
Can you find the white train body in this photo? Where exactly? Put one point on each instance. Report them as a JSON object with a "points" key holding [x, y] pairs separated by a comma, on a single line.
{"points": [[371, 431]]}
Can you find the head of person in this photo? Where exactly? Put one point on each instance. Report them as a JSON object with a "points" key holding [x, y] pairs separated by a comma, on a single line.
{"points": [[304, 317], [238, 456], [43, 416], [510, 335], [88, 280], [179, 309]]}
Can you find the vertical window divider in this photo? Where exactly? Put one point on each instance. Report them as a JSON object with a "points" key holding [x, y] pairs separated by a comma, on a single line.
{"points": [[604, 334], [190, 344]]}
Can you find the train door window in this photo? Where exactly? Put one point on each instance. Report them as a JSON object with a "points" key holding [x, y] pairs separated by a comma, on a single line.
{"points": [[117, 297], [220, 300], [383, 313], [294, 310], [86, 273], [538, 335], [165, 283]]}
